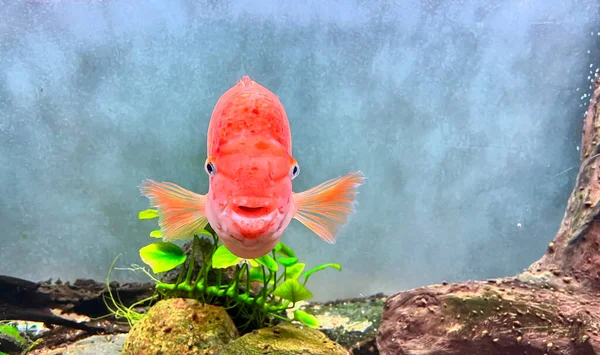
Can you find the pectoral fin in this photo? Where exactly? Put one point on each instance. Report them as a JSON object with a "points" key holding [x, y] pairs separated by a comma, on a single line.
{"points": [[181, 213], [325, 208]]}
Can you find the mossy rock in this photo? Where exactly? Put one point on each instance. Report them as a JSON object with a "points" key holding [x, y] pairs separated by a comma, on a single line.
{"points": [[284, 339], [181, 326], [348, 322]]}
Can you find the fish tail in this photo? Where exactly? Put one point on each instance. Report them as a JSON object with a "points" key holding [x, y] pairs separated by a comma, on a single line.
{"points": [[325, 208], [181, 213]]}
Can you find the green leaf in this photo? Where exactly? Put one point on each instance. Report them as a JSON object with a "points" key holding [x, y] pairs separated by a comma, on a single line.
{"points": [[319, 268], [268, 262], [162, 256], [294, 271], [148, 214], [223, 258], [13, 333], [252, 262], [284, 250], [156, 234], [255, 274], [293, 291], [307, 319], [287, 262]]}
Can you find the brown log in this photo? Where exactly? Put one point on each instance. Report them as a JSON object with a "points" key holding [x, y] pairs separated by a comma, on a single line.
{"points": [[61, 304], [551, 308]]}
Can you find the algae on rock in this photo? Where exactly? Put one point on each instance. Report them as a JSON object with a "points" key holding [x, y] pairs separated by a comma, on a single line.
{"points": [[349, 322], [181, 326], [284, 339]]}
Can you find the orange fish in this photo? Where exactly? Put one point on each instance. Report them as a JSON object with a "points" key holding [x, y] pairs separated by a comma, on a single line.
{"points": [[250, 201]]}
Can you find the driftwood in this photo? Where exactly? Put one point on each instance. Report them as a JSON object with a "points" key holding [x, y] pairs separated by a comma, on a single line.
{"points": [[551, 308], [67, 309]]}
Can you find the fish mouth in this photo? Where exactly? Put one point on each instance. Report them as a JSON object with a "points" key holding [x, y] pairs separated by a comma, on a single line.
{"points": [[251, 212], [250, 225], [253, 224], [251, 207]]}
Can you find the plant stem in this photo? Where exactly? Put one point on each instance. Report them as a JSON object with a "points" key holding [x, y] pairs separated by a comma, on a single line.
{"points": [[207, 263], [282, 318], [188, 277], [258, 307], [275, 283], [265, 283], [180, 277], [275, 272], [247, 280], [201, 273]]}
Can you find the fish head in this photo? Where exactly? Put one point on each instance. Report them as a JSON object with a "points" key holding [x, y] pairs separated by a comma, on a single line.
{"points": [[249, 202]]}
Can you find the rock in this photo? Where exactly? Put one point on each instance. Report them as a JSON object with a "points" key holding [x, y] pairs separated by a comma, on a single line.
{"points": [[368, 347], [97, 344], [550, 308], [284, 339], [181, 326], [352, 323], [481, 318]]}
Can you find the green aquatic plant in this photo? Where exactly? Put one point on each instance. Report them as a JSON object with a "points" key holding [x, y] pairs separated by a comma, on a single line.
{"points": [[120, 311], [9, 331], [280, 276]]}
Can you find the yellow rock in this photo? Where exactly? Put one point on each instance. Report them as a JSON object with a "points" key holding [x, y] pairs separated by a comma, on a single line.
{"points": [[181, 326], [284, 339]]}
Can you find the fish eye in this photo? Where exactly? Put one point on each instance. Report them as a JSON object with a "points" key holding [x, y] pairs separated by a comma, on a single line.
{"points": [[210, 168], [294, 171]]}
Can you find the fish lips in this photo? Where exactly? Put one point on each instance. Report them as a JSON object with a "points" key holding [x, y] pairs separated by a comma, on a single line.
{"points": [[251, 230]]}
